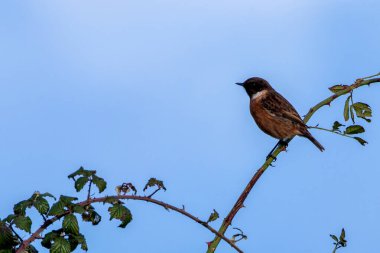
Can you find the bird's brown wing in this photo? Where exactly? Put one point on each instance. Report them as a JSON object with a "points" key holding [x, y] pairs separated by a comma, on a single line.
{"points": [[278, 106]]}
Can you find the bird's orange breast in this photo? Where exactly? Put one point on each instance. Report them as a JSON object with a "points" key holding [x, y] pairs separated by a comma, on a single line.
{"points": [[268, 122]]}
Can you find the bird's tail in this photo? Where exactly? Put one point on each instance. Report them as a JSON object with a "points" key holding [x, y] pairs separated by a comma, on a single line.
{"points": [[314, 141]]}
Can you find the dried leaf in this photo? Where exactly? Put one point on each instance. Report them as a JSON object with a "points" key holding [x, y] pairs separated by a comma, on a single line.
{"points": [[337, 88]]}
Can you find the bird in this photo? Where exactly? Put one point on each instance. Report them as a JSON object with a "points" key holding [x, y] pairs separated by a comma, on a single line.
{"points": [[273, 114]]}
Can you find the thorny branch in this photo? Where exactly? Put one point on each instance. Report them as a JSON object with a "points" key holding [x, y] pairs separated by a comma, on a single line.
{"points": [[240, 201], [90, 201], [219, 235]]}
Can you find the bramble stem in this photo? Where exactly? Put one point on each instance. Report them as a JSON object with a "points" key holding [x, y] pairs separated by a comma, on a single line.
{"points": [[89, 201], [240, 201]]}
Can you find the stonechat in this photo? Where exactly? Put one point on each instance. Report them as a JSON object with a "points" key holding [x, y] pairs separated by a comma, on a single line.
{"points": [[273, 113]]}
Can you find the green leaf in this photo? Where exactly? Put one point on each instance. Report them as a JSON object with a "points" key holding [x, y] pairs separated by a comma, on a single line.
{"points": [[78, 239], [99, 182], [60, 245], [70, 224], [338, 88], [7, 238], [91, 216], [19, 208], [121, 213], [73, 242], [83, 243], [9, 218], [354, 129], [334, 238], [342, 235], [57, 208], [48, 238], [346, 107], [67, 200], [363, 111], [80, 182], [78, 172], [23, 223], [95, 218], [116, 211], [30, 249], [46, 194], [42, 205], [336, 126], [10, 250], [213, 216], [154, 182], [82, 172], [361, 141], [78, 209], [362, 107]]}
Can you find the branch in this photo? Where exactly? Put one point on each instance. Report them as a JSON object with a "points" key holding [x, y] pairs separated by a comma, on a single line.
{"points": [[240, 201], [89, 201], [331, 131]]}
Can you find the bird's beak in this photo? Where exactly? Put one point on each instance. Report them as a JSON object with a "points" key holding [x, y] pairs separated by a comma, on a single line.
{"points": [[241, 84]]}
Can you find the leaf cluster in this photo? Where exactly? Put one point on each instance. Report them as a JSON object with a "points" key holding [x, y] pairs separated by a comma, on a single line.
{"points": [[81, 177], [352, 111], [339, 242], [67, 237]]}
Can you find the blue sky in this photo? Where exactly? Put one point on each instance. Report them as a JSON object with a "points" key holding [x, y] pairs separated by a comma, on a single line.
{"points": [[138, 89]]}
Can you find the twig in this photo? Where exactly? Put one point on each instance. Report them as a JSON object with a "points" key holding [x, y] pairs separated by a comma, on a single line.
{"points": [[331, 131], [43, 216], [367, 77], [151, 195], [337, 246], [87, 202], [241, 235], [240, 201], [89, 190], [14, 231]]}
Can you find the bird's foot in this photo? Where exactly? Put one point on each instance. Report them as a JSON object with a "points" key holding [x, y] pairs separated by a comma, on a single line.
{"points": [[283, 143], [271, 156]]}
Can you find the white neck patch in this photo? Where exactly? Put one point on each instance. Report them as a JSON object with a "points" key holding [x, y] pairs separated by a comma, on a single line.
{"points": [[258, 94]]}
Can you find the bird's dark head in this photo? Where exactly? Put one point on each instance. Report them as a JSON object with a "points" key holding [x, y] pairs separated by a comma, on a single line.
{"points": [[254, 85]]}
